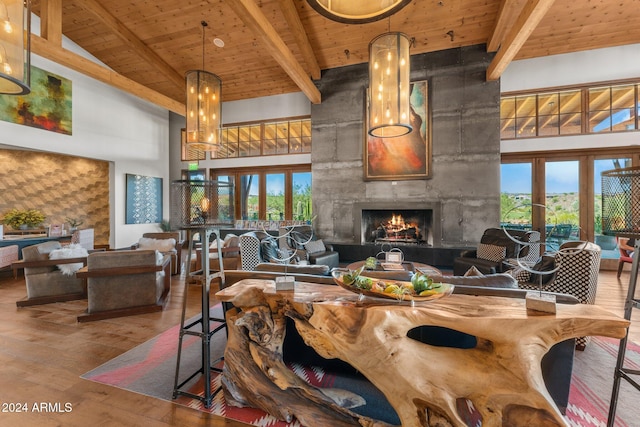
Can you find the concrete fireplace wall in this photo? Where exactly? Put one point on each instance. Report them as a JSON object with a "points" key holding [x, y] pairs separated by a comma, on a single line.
{"points": [[464, 183]]}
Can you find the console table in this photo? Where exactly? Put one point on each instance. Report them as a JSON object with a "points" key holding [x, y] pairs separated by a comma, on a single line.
{"points": [[501, 375]]}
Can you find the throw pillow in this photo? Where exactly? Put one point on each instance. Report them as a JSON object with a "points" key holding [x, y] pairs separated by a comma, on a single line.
{"points": [[547, 263], [74, 250], [491, 252], [269, 250], [473, 272], [315, 246]]}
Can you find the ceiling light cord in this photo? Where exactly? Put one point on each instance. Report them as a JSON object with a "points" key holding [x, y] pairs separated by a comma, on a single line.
{"points": [[204, 25]]}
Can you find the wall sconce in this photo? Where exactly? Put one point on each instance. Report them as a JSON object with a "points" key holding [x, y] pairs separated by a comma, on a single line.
{"points": [[389, 73], [15, 47], [204, 91]]}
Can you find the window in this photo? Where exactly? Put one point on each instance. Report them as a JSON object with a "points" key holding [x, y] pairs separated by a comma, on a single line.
{"points": [[265, 138], [569, 185], [608, 108], [271, 193]]}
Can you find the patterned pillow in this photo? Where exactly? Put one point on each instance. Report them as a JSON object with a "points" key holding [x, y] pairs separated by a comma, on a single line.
{"points": [[315, 246], [491, 252]]}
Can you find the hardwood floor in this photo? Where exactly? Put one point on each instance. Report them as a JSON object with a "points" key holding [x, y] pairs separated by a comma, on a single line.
{"points": [[43, 352]]}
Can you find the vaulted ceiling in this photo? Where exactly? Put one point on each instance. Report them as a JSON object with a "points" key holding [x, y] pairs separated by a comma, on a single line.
{"points": [[280, 46]]}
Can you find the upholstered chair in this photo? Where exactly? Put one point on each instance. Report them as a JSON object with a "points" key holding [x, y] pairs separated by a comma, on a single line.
{"points": [[168, 243], [302, 240], [497, 251], [45, 281], [578, 264], [126, 282], [8, 255]]}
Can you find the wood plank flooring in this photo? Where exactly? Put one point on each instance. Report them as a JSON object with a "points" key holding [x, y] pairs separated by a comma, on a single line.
{"points": [[43, 352]]}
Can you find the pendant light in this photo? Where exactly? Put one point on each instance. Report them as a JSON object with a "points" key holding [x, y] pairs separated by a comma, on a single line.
{"points": [[357, 11], [389, 73], [204, 90], [15, 47]]}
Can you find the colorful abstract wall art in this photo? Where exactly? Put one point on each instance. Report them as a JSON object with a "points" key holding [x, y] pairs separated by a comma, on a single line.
{"points": [[48, 106]]}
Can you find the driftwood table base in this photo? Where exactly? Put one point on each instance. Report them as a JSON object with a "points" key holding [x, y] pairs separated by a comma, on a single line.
{"points": [[501, 376]]}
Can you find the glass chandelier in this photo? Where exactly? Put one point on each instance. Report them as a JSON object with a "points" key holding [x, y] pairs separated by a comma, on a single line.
{"points": [[204, 91], [15, 47], [389, 73]]}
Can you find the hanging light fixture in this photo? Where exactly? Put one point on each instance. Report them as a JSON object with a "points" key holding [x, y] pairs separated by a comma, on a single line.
{"points": [[15, 47], [357, 11], [203, 107], [389, 73]]}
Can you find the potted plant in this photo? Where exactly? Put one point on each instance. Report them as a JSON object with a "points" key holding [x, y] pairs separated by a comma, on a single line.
{"points": [[23, 218], [74, 223]]}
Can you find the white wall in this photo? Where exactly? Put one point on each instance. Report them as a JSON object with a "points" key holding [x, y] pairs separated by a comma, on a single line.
{"points": [[593, 66], [107, 124]]}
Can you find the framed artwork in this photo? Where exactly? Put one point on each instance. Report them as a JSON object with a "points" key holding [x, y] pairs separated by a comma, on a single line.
{"points": [[47, 107], [144, 199], [189, 154], [56, 230], [405, 157]]}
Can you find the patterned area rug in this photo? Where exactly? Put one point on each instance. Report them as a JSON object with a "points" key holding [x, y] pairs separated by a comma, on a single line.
{"points": [[149, 369]]}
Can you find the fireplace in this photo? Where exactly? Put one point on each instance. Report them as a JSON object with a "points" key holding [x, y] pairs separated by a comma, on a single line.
{"points": [[394, 224]]}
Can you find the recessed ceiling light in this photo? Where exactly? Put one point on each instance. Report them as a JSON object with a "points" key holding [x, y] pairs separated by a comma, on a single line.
{"points": [[218, 42]]}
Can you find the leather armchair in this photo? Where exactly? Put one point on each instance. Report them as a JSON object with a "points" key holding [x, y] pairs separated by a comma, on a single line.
{"points": [[302, 240], [495, 249]]}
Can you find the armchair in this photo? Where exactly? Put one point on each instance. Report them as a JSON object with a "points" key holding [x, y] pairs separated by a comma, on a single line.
{"points": [[578, 264], [45, 282], [127, 282], [302, 240], [495, 249], [161, 241]]}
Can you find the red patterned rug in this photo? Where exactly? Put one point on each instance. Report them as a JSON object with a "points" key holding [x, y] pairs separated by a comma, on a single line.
{"points": [[149, 369]]}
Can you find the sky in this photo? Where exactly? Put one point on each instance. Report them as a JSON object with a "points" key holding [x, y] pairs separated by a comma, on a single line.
{"points": [[562, 177]]}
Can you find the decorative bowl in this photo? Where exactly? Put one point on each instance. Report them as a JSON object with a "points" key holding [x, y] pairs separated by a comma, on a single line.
{"points": [[354, 281]]}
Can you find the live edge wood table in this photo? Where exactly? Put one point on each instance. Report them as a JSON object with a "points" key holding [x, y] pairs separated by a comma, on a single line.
{"points": [[501, 375]]}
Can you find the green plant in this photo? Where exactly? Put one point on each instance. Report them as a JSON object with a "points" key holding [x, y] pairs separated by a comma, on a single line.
{"points": [[74, 222], [29, 217], [165, 225]]}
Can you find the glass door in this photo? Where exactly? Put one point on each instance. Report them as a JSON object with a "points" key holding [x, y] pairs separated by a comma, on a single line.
{"points": [[516, 196], [562, 201]]}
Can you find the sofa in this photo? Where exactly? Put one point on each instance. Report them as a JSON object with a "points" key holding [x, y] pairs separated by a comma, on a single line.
{"points": [[308, 247]]}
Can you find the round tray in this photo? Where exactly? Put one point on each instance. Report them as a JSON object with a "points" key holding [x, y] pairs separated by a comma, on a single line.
{"points": [[444, 290]]}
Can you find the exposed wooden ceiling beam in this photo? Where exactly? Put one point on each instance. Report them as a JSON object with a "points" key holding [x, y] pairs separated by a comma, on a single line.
{"points": [[255, 20], [297, 29], [120, 30], [506, 15], [51, 21], [48, 50], [532, 12]]}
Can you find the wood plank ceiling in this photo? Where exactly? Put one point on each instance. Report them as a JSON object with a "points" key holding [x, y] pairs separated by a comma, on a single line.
{"points": [[280, 46]]}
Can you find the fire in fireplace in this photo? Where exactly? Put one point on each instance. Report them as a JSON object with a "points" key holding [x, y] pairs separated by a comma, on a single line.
{"points": [[406, 226]]}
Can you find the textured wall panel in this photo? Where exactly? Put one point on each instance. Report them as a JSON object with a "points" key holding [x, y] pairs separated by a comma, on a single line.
{"points": [[60, 186]]}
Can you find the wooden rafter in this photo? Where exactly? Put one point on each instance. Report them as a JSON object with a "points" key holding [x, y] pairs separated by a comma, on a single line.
{"points": [[120, 30], [51, 21], [295, 25], [255, 20], [506, 15], [46, 49], [532, 12]]}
